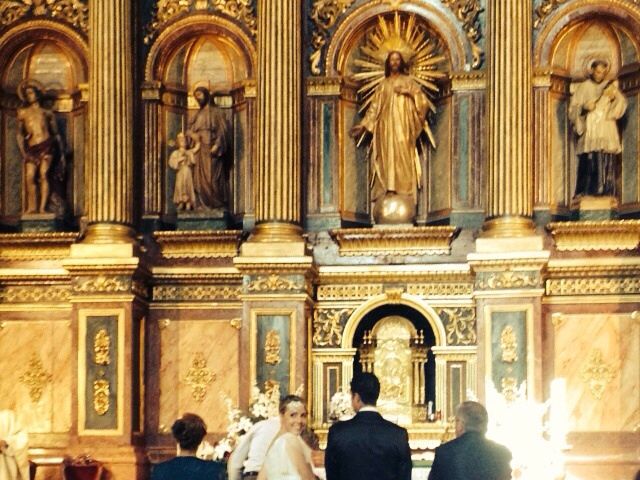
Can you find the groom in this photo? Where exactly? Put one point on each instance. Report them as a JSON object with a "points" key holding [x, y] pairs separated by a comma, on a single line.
{"points": [[367, 446]]}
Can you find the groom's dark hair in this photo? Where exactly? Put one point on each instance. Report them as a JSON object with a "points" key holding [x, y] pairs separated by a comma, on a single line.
{"points": [[367, 386]]}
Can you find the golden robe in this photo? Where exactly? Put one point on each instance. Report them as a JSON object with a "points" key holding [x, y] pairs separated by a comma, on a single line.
{"points": [[396, 121]]}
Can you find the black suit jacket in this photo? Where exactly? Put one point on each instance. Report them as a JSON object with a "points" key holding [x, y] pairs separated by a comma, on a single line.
{"points": [[188, 468], [367, 447], [471, 457]]}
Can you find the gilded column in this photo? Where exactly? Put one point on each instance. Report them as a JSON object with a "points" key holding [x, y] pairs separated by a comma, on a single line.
{"points": [[110, 162], [279, 140], [509, 119]]}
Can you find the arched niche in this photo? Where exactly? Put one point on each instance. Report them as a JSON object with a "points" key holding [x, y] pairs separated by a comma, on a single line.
{"points": [[54, 56], [198, 51], [570, 40], [388, 340], [341, 112]]}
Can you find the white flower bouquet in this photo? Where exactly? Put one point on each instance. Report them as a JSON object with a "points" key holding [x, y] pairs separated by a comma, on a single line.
{"points": [[340, 407]]}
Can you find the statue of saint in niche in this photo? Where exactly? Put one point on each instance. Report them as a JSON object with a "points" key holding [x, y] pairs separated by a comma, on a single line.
{"points": [[210, 130], [395, 70], [42, 151], [182, 160], [596, 105]]}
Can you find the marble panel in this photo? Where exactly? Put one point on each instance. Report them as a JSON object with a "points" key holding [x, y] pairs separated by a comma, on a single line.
{"points": [[198, 370], [38, 370], [598, 355]]}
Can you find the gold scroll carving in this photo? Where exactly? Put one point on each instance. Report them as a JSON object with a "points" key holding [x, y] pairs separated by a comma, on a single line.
{"points": [[166, 11], [101, 347], [101, 391], [468, 13], [509, 345], [102, 284], [509, 388], [597, 374], [199, 377], [460, 325], [75, 12], [35, 378], [272, 348], [508, 279], [328, 326], [272, 283], [324, 15]]}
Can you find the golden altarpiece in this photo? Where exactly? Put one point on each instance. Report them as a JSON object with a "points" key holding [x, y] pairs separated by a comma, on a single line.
{"points": [[186, 213]]}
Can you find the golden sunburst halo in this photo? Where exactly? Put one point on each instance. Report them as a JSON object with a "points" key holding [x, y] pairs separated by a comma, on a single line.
{"points": [[420, 51]]}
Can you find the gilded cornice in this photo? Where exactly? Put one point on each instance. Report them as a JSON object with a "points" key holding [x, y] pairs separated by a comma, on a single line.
{"points": [[348, 292], [198, 244], [596, 235], [463, 81], [441, 289], [35, 293], [35, 246], [594, 267], [74, 12], [166, 11], [389, 241], [593, 286], [324, 86], [199, 293], [409, 274]]}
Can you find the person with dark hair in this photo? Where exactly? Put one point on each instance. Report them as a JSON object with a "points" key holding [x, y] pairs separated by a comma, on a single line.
{"points": [[367, 446], [470, 456], [288, 457], [188, 432]]}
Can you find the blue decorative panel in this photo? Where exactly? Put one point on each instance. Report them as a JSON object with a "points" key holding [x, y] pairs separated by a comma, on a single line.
{"points": [[101, 376], [273, 360], [463, 149], [327, 154], [508, 349]]}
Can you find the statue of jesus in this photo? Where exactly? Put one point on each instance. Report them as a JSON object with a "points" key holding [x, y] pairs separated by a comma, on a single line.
{"points": [[396, 118]]}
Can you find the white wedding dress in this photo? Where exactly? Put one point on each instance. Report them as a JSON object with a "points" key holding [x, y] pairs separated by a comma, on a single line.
{"points": [[278, 464]]}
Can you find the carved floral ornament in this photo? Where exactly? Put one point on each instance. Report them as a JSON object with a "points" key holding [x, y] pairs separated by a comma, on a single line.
{"points": [[460, 325], [35, 377], [326, 13], [199, 377], [75, 12], [165, 11], [328, 327], [597, 374]]}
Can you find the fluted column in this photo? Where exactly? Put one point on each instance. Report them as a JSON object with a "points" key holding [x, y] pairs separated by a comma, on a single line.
{"points": [[279, 139], [510, 98], [109, 185]]}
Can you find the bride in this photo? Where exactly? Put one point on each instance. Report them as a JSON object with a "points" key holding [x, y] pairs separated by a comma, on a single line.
{"points": [[288, 457]]}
